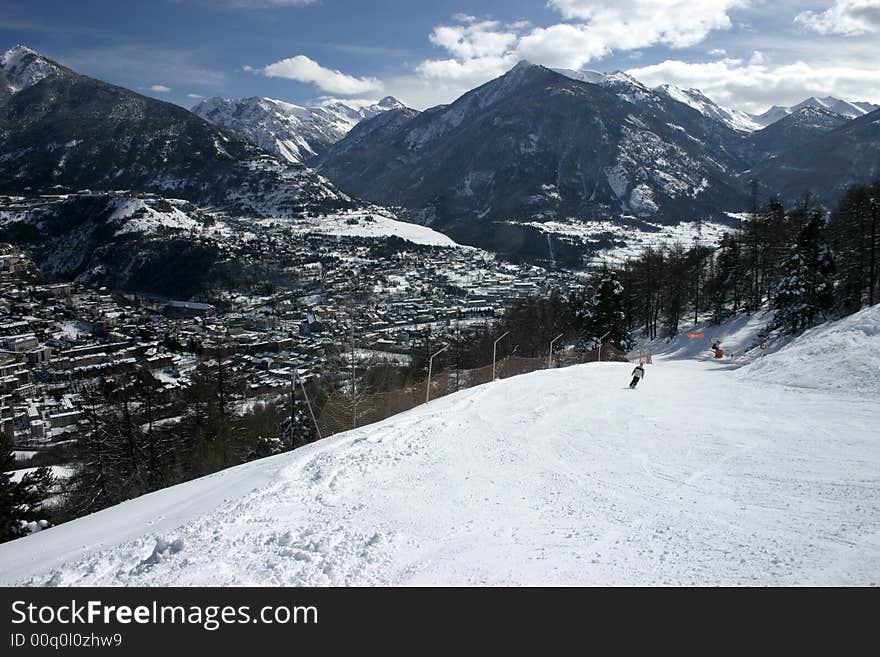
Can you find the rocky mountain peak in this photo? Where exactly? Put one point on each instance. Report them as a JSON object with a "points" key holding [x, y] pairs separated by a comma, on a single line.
{"points": [[292, 132], [22, 67]]}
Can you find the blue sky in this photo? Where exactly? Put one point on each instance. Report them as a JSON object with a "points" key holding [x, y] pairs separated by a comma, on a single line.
{"points": [[747, 54]]}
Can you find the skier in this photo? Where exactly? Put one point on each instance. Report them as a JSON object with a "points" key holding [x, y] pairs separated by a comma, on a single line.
{"points": [[637, 374]]}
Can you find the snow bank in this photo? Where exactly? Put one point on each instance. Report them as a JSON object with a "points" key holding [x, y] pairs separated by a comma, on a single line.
{"points": [[368, 223], [842, 355], [738, 338], [375, 224], [58, 471], [555, 477]]}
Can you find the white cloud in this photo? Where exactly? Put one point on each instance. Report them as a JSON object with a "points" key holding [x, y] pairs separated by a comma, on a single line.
{"points": [[562, 45], [676, 23], [597, 28], [739, 73], [753, 86], [846, 17], [195, 96], [303, 69], [474, 39], [468, 72], [160, 89], [480, 50], [464, 18]]}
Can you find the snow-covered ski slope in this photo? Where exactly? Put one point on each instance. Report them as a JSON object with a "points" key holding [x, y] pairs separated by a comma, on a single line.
{"points": [[843, 355], [704, 474]]}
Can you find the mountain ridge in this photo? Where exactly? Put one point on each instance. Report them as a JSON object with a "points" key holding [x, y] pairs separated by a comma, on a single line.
{"points": [[827, 165], [62, 130], [292, 132], [536, 143], [845, 108]]}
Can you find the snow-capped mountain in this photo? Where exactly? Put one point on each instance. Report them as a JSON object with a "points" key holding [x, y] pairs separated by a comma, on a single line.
{"points": [[845, 108], [167, 246], [827, 164], [593, 77], [535, 144], [792, 131], [151, 244], [733, 118], [289, 131], [21, 67], [707, 107], [59, 129], [541, 147]]}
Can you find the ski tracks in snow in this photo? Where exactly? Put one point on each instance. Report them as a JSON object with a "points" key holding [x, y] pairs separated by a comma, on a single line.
{"points": [[556, 477]]}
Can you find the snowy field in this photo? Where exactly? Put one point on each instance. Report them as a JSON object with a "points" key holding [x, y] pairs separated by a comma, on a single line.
{"points": [[372, 223], [705, 474], [631, 242]]}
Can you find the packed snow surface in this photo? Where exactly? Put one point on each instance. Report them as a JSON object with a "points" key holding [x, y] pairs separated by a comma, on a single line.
{"points": [[626, 242], [702, 475], [739, 338], [370, 223], [842, 355]]}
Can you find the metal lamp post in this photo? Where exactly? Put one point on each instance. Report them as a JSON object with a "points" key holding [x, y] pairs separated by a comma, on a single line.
{"points": [[873, 251], [309, 404], [495, 351], [430, 368], [600, 344], [550, 357]]}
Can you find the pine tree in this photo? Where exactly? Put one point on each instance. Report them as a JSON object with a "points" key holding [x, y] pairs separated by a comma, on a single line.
{"points": [[603, 313], [297, 428], [855, 239], [791, 294], [806, 289], [726, 286], [21, 503], [8, 512], [675, 288]]}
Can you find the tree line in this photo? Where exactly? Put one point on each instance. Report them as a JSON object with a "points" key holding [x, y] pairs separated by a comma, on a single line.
{"points": [[806, 263]]}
